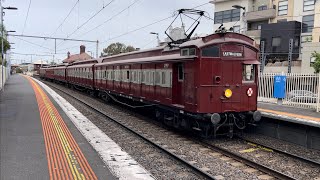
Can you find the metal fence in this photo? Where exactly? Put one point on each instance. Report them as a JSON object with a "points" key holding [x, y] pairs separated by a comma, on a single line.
{"points": [[302, 90]]}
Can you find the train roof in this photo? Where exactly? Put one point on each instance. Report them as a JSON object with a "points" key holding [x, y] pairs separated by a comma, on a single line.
{"points": [[217, 38], [164, 58], [89, 61], [135, 52]]}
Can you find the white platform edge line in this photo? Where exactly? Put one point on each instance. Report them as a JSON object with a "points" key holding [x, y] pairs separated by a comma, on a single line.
{"points": [[120, 163]]}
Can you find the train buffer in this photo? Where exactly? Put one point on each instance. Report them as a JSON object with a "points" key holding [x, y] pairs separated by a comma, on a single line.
{"points": [[40, 140]]}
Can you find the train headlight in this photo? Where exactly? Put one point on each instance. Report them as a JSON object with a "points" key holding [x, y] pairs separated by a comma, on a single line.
{"points": [[228, 93]]}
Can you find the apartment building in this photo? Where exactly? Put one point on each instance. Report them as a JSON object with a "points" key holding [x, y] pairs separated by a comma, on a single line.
{"points": [[275, 22]]}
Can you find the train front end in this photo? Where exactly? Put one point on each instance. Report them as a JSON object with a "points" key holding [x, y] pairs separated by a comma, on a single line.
{"points": [[228, 82]]}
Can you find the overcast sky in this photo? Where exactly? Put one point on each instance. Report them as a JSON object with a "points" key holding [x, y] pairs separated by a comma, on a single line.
{"points": [[45, 16]]}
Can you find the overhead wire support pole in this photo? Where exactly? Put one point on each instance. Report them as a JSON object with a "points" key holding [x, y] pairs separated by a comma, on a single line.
{"points": [[290, 55], [2, 55], [97, 49]]}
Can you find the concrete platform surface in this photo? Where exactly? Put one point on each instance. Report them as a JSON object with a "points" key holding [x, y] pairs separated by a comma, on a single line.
{"points": [[39, 141], [290, 114]]}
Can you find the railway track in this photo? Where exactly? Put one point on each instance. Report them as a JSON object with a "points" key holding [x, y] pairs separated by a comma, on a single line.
{"points": [[263, 146], [203, 173], [194, 168]]}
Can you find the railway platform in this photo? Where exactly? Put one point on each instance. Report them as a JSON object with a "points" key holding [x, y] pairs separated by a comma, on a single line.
{"points": [[39, 139], [290, 114]]}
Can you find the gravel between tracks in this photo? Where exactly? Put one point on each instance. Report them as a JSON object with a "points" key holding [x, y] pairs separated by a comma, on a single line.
{"points": [[214, 163]]}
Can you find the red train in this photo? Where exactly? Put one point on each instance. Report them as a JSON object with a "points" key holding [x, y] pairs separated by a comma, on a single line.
{"points": [[207, 84]]}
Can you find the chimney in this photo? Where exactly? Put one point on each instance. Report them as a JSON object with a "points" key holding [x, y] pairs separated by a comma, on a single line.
{"points": [[82, 49], [68, 54]]}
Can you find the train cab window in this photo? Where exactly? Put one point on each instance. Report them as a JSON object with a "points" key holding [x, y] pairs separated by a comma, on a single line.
{"points": [[188, 51], [180, 72], [248, 73], [212, 51], [192, 51], [185, 52]]}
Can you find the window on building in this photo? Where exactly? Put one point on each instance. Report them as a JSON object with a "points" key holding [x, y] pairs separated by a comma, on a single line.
{"points": [[283, 8], [261, 8], [276, 41], [248, 73], [307, 23], [227, 16], [308, 5], [281, 20], [236, 29], [212, 51]]}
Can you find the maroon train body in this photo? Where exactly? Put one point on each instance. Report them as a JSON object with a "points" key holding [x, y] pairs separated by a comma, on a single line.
{"points": [[207, 84]]}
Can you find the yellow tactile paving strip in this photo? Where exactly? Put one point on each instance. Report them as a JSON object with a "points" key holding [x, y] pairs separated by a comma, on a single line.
{"points": [[65, 159], [289, 114]]}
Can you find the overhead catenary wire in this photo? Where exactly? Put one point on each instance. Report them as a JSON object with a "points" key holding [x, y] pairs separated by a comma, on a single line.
{"points": [[117, 14], [129, 31], [55, 31], [88, 20], [32, 43], [25, 21]]}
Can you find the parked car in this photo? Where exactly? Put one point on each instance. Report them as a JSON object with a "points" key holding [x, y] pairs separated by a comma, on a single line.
{"points": [[303, 96]]}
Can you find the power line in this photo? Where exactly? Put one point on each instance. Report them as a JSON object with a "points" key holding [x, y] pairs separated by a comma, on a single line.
{"points": [[25, 21], [137, 29], [33, 43], [65, 18], [89, 19], [95, 28]]}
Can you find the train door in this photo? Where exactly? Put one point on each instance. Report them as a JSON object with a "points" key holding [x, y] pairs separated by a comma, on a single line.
{"points": [[178, 78], [232, 80]]}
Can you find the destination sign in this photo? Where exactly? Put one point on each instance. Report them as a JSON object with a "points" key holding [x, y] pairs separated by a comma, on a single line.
{"points": [[232, 54]]}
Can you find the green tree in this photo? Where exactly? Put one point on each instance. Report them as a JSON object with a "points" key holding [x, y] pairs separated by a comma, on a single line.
{"points": [[6, 45], [117, 48], [316, 64]]}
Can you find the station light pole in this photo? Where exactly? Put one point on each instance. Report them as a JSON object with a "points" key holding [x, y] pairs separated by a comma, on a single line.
{"points": [[2, 34]]}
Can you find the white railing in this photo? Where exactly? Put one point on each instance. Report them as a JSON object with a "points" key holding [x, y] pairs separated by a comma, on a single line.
{"points": [[6, 75], [302, 90]]}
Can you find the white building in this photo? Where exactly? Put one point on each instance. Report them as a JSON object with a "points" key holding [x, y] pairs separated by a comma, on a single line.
{"points": [[248, 16]]}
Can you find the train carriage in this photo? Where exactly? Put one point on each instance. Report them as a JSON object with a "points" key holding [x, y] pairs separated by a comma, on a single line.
{"points": [[207, 84], [81, 74]]}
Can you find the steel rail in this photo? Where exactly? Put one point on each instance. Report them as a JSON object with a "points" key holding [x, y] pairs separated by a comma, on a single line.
{"points": [[196, 169], [251, 163], [316, 163]]}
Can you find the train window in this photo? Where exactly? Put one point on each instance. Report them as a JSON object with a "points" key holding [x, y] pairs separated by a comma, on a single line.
{"points": [[192, 51], [212, 51], [163, 78], [157, 78], [180, 72], [147, 77], [184, 52], [248, 73], [143, 77], [152, 78]]}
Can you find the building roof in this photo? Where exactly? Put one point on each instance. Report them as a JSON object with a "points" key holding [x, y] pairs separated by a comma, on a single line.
{"points": [[40, 62], [77, 57]]}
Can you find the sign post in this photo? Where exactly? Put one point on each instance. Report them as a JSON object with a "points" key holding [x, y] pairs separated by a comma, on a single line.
{"points": [[279, 88]]}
